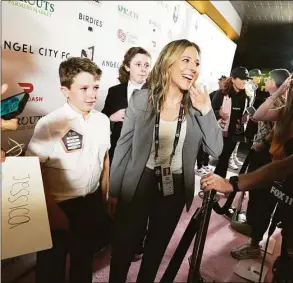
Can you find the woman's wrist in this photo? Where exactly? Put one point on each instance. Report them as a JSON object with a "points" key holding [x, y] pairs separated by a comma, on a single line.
{"points": [[275, 95]]}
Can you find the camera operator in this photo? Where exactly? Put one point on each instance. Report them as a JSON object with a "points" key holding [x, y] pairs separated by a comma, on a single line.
{"points": [[261, 202], [281, 170], [277, 170]]}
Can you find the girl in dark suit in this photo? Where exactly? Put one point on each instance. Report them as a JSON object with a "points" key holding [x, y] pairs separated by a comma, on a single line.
{"points": [[132, 76]]}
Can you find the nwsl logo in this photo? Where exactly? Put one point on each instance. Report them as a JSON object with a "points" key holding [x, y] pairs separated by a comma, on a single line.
{"points": [[176, 13]]}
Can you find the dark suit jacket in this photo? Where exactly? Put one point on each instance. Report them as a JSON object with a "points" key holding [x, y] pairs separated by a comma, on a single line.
{"points": [[134, 146], [116, 100]]}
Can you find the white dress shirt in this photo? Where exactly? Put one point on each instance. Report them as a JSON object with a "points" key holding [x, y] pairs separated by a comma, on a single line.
{"points": [[74, 172], [131, 87]]}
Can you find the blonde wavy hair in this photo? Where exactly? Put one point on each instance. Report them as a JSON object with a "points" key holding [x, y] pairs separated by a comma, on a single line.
{"points": [[159, 78]]}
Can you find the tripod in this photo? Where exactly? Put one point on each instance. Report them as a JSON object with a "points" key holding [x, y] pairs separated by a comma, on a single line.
{"points": [[197, 225]]}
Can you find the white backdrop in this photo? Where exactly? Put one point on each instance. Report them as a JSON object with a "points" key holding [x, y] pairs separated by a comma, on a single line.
{"points": [[38, 35]]}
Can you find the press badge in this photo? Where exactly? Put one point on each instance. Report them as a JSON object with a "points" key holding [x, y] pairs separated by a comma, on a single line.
{"points": [[165, 180], [72, 140]]}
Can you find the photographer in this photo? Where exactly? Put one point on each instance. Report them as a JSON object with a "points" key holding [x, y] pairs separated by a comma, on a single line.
{"points": [[277, 170], [261, 203]]}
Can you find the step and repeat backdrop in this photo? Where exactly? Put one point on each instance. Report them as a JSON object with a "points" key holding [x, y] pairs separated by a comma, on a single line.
{"points": [[38, 35]]}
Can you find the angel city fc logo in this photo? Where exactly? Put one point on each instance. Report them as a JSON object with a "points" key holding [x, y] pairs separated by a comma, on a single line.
{"points": [[176, 13], [121, 35]]}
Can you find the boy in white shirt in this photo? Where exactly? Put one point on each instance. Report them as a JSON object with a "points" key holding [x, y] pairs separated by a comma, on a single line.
{"points": [[72, 144]]}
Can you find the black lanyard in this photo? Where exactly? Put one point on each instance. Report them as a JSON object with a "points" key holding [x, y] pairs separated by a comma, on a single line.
{"points": [[177, 135]]}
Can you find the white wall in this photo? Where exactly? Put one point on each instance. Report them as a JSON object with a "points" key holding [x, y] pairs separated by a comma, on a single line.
{"points": [[38, 35], [229, 13]]}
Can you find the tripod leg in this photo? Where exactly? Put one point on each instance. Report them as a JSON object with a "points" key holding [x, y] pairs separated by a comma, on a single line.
{"points": [[239, 207], [182, 248], [194, 271]]}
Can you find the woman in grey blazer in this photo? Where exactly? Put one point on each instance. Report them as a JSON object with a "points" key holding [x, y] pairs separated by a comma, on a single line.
{"points": [[152, 172]]}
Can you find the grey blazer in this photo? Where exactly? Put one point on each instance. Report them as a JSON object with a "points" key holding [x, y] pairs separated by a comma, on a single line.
{"points": [[134, 146]]}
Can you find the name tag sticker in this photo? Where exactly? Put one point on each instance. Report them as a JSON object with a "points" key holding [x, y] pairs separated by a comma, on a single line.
{"points": [[72, 141]]}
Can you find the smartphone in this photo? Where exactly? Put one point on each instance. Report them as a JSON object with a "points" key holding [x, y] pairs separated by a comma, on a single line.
{"points": [[13, 105], [250, 110]]}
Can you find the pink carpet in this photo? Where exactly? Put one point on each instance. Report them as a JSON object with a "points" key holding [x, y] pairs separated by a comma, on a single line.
{"points": [[217, 264]]}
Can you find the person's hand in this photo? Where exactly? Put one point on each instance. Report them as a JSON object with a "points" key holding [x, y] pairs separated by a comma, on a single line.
{"points": [[285, 86], [104, 194], [200, 99], [2, 155], [215, 182], [244, 118], [57, 219], [258, 146], [118, 116], [8, 125], [223, 115], [112, 203]]}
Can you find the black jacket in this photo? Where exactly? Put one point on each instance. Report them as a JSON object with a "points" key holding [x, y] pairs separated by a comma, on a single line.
{"points": [[116, 100], [260, 98], [239, 100]]}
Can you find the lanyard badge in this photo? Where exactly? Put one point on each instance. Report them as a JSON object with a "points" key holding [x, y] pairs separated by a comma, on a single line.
{"points": [[164, 174]]}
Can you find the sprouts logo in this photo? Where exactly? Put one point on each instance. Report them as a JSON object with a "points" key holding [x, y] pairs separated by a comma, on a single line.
{"points": [[28, 88], [127, 37], [28, 122], [176, 13], [41, 7]]}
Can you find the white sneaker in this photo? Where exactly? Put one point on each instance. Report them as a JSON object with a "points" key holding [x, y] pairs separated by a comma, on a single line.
{"points": [[201, 172], [208, 168], [232, 164], [237, 161]]}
